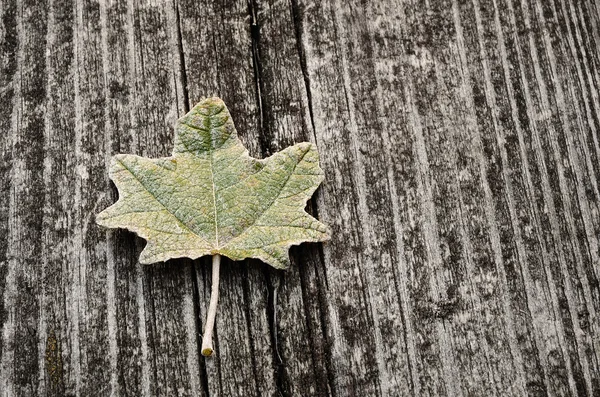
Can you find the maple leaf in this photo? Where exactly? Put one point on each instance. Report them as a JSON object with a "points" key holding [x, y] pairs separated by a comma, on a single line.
{"points": [[211, 198]]}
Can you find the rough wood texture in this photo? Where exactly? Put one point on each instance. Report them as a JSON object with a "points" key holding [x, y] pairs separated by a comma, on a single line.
{"points": [[462, 155]]}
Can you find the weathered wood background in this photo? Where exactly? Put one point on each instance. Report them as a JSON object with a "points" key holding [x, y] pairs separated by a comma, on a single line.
{"points": [[461, 145]]}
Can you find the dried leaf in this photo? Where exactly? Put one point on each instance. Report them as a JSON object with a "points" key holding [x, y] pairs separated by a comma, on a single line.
{"points": [[210, 197]]}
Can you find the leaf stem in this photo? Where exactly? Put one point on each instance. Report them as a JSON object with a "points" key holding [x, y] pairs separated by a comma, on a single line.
{"points": [[207, 345]]}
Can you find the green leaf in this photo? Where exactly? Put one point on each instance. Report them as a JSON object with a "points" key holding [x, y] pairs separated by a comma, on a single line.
{"points": [[210, 197]]}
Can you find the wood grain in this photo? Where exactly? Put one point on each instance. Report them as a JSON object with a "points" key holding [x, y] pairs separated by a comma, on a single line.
{"points": [[460, 144]]}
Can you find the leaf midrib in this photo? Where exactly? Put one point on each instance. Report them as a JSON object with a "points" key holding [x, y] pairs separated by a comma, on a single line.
{"points": [[212, 175]]}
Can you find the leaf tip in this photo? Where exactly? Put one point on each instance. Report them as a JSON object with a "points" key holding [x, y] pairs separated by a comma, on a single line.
{"points": [[146, 258], [100, 219], [117, 158], [215, 100], [211, 104]]}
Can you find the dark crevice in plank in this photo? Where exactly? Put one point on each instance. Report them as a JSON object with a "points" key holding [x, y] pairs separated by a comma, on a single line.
{"points": [[255, 37], [321, 298], [297, 18], [273, 278], [251, 337], [218, 349], [323, 320], [152, 328], [265, 148], [313, 209], [199, 326], [183, 76], [325, 348], [268, 76]]}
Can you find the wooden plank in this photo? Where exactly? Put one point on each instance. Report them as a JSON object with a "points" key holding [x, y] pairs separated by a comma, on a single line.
{"points": [[156, 346], [26, 34], [555, 212], [532, 291], [78, 303], [217, 49], [127, 311], [366, 269], [8, 94], [297, 294], [503, 179], [460, 144], [465, 197]]}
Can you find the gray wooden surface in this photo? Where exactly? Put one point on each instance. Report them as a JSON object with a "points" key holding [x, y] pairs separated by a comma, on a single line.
{"points": [[460, 141]]}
